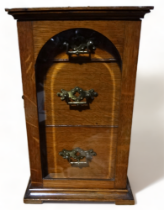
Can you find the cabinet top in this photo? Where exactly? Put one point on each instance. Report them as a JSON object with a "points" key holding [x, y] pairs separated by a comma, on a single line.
{"points": [[80, 13]]}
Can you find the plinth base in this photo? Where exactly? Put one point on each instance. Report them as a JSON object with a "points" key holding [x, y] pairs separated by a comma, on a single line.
{"points": [[117, 196]]}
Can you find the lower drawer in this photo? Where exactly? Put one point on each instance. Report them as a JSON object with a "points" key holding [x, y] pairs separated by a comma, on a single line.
{"points": [[102, 140]]}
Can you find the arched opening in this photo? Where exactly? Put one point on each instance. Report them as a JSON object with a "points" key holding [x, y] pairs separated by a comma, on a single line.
{"points": [[61, 67]]}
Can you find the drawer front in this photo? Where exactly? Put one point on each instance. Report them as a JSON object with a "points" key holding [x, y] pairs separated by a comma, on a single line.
{"points": [[101, 140], [104, 78]]}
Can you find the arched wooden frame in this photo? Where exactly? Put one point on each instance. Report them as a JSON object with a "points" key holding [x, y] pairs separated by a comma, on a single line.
{"points": [[45, 59], [55, 46]]}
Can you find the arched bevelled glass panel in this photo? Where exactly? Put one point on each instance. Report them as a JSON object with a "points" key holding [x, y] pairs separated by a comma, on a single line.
{"points": [[78, 77]]}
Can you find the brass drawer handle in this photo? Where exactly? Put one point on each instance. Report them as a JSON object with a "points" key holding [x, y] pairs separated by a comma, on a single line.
{"points": [[77, 154], [67, 95], [82, 48], [78, 44]]}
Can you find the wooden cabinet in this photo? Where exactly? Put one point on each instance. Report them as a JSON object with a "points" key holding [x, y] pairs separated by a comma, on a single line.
{"points": [[78, 73]]}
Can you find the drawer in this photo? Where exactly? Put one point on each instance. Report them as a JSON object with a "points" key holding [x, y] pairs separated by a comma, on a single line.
{"points": [[104, 78], [102, 140]]}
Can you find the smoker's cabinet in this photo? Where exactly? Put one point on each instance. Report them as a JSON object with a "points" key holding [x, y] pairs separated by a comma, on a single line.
{"points": [[78, 73]]}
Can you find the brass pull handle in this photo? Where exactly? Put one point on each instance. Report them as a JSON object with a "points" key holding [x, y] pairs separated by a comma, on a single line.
{"points": [[78, 154], [79, 44], [82, 48], [76, 100]]}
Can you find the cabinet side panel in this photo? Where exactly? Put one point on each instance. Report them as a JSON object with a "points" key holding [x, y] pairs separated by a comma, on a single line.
{"points": [[29, 91], [130, 58]]}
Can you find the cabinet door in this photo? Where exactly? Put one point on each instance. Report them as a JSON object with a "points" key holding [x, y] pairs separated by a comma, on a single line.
{"points": [[85, 141], [78, 80]]}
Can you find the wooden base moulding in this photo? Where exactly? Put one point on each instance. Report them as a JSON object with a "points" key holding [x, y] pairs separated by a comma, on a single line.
{"points": [[48, 195]]}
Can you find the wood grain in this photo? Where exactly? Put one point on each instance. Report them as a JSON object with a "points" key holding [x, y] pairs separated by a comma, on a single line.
{"points": [[45, 30], [78, 184], [101, 140], [117, 196], [130, 58], [80, 13], [29, 92], [104, 78]]}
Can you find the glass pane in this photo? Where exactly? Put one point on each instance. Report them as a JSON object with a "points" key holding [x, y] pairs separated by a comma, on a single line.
{"points": [[78, 133]]}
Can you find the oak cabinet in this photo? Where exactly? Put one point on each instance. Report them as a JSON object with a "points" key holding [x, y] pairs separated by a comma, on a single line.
{"points": [[78, 73]]}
